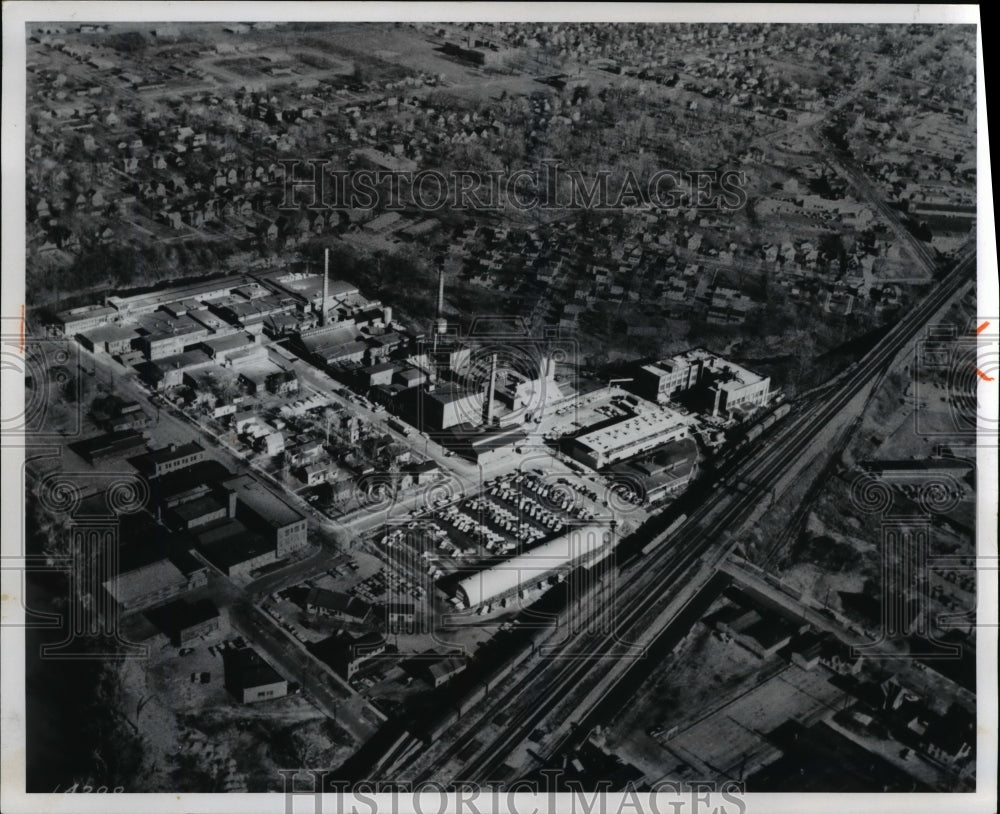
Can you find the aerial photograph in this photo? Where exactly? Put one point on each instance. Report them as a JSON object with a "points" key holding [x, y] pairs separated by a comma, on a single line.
{"points": [[564, 406]]}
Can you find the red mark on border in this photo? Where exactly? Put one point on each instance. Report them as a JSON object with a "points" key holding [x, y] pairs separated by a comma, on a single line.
{"points": [[980, 373], [22, 328]]}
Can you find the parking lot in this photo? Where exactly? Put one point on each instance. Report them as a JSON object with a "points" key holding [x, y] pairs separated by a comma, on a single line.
{"points": [[512, 513]]}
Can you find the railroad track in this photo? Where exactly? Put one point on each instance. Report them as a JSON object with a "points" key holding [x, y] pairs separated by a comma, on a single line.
{"points": [[538, 692]]}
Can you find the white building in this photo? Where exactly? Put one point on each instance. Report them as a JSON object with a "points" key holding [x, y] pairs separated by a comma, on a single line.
{"points": [[578, 547], [645, 429]]}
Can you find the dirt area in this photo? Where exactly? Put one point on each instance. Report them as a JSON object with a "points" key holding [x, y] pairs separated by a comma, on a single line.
{"points": [[199, 738], [688, 684]]}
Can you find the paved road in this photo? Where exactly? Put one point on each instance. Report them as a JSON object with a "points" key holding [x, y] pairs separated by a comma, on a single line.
{"points": [[698, 545], [334, 697], [928, 683]]}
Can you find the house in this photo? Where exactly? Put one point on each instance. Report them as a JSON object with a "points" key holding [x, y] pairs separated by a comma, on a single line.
{"points": [[313, 474], [282, 383], [249, 678], [270, 443]]}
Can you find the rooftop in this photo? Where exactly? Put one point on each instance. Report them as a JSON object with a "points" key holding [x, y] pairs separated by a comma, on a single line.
{"points": [[262, 502], [154, 299], [85, 311], [338, 602], [231, 342], [133, 585], [646, 423], [245, 669], [109, 333]]}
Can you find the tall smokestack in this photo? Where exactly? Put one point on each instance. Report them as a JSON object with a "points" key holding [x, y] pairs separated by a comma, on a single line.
{"points": [[440, 303], [491, 390], [440, 324], [326, 286]]}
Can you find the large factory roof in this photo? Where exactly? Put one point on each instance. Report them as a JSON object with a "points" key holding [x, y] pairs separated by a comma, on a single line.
{"points": [[134, 586], [310, 286], [644, 424], [262, 501], [532, 565], [151, 300]]}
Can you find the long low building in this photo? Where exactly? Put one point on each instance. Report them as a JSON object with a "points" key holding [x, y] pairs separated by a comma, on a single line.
{"points": [[577, 547], [628, 436]]}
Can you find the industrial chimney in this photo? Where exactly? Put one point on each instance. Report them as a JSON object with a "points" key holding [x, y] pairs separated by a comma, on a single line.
{"points": [[326, 286], [442, 323], [490, 391]]}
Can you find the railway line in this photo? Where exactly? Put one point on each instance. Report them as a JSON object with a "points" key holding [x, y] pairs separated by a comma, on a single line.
{"points": [[540, 691]]}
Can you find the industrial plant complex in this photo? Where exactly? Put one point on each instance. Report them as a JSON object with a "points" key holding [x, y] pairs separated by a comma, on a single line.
{"points": [[631, 474]]}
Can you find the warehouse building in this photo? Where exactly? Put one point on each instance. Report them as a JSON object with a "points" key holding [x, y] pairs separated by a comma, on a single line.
{"points": [[85, 318], [109, 445], [664, 471], [170, 458], [186, 622], [263, 510], [635, 433], [137, 304], [146, 586], [113, 340], [580, 546], [249, 678]]}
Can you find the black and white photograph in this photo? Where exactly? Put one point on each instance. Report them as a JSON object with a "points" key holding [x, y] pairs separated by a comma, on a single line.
{"points": [[498, 408]]}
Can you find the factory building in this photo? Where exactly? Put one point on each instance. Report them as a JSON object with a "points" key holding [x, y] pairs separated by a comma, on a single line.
{"points": [[136, 304], [578, 547], [170, 458], [85, 318], [146, 586], [113, 340], [449, 406], [282, 526], [163, 335], [479, 51], [715, 385], [619, 439], [249, 678], [664, 471]]}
